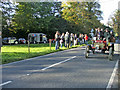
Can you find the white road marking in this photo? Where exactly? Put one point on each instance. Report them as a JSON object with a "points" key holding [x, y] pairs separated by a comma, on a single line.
{"points": [[5, 83], [30, 59], [109, 86], [57, 63], [28, 74], [41, 69]]}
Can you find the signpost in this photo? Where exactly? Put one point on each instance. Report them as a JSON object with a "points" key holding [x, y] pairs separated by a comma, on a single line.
{"points": [[28, 44], [0, 40], [50, 43]]}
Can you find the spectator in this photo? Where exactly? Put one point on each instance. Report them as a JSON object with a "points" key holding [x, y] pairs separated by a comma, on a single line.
{"points": [[71, 39], [86, 39], [80, 39], [62, 39], [75, 39], [83, 39], [57, 38], [67, 37]]}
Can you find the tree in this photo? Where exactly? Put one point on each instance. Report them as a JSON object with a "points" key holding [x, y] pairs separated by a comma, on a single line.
{"points": [[85, 14], [116, 22], [35, 17], [7, 10]]}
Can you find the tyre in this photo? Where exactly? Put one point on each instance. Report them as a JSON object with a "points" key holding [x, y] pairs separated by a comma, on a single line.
{"points": [[16, 42], [45, 42], [93, 51], [110, 57], [87, 52]]}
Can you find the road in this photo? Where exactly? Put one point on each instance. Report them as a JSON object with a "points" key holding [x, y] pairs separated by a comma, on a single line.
{"points": [[64, 69]]}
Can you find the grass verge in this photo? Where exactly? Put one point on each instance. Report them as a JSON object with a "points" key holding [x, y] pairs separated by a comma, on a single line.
{"points": [[12, 53]]}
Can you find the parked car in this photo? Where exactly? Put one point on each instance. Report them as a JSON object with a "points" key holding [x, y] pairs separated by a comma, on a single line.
{"points": [[9, 40], [21, 40]]}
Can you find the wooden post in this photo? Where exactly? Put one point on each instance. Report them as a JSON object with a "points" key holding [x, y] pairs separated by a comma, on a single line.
{"points": [[28, 44], [50, 43]]}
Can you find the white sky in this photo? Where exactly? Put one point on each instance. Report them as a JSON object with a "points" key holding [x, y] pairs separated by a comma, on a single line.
{"points": [[108, 7]]}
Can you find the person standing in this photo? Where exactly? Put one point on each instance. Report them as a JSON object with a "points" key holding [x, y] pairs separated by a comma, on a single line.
{"points": [[62, 40], [75, 39], [66, 39], [57, 38], [68, 43], [86, 39], [83, 39], [71, 39], [80, 39]]}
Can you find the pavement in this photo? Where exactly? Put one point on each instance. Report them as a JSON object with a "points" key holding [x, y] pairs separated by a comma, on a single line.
{"points": [[64, 69]]}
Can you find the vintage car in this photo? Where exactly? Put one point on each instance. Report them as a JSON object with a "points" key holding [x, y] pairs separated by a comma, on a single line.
{"points": [[100, 45]]}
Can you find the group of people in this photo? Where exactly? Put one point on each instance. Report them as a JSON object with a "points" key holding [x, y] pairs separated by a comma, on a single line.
{"points": [[101, 34], [68, 39]]}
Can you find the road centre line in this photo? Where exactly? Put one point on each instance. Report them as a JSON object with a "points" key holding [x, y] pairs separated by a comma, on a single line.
{"points": [[29, 59], [5, 83], [42, 69], [58, 63], [109, 86]]}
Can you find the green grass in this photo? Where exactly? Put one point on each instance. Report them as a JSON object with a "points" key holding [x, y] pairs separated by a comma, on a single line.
{"points": [[12, 53]]}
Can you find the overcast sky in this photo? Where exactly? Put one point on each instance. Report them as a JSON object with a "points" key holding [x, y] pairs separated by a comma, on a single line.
{"points": [[108, 7]]}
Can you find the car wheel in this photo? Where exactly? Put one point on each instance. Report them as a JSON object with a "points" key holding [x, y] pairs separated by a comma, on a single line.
{"points": [[44, 41], [16, 42]]}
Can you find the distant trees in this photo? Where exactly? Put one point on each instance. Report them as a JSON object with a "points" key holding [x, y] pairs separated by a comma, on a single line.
{"points": [[48, 17], [86, 15], [7, 9], [116, 22]]}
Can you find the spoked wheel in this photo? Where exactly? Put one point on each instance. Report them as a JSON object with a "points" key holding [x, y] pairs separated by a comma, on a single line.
{"points": [[110, 57], [93, 51], [87, 52], [103, 51]]}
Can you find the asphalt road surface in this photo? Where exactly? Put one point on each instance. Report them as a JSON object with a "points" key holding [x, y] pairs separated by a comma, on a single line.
{"points": [[65, 69]]}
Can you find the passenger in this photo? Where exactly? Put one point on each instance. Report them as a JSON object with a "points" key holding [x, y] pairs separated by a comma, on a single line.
{"points": [[111, 38], [106, 34], [92, 33], [102, 34], [96, 32]]}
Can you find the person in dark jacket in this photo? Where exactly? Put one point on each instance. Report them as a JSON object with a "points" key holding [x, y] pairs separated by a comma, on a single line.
{"points": [[96, 32], [80, 39], [106, 35]]}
